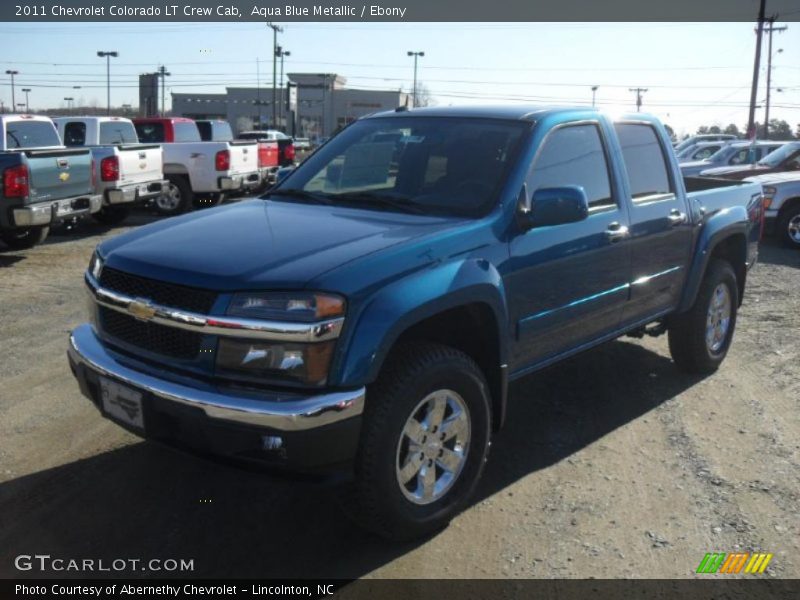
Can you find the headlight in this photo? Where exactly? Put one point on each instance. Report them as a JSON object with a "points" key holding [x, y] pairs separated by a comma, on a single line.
{"points": [[304, 307], [304, 363], [96, 266]]}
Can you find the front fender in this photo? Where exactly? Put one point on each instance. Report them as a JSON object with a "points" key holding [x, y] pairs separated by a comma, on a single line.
{"points": [[394, 308], [717, 227]]}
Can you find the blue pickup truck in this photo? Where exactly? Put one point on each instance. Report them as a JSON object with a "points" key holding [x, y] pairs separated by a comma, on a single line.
{"points": [[369, 312], [43, 182]]}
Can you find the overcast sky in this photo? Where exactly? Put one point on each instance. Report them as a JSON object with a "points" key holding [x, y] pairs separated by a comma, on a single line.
{"points": [[695, 73]]}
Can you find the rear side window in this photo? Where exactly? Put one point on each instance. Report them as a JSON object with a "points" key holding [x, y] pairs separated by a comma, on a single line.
{"points": [[186, 132], [31, 134], [222, 132], [75, 133], [117, 132], [574, 155], [645, 162], [150, 133]]}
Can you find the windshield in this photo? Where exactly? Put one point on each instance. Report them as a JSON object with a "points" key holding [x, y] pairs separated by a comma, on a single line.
{"points": [[773, 159], [425, 165]]}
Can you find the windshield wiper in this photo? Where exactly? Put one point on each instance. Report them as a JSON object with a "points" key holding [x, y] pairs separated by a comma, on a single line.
{"points": [[394, 201], [316, 197]]}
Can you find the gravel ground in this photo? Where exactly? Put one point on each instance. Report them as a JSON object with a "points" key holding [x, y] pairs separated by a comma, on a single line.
{"points": [[613, 464]]}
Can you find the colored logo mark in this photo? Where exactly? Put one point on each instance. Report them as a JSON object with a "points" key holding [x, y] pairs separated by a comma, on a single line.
{"points": [[737, 562]]}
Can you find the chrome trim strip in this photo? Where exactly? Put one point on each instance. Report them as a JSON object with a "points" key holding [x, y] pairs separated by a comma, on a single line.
{"points": [[287, 413], [279, 331]]}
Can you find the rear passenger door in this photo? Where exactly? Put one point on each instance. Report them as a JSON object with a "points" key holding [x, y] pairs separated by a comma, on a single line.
{"points": [[569, 282], [661, 230]]}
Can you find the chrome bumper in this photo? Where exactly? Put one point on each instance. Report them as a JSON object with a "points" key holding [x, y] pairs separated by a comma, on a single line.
{"points": [[134, 192], [238, 182], [45, 213], [272, 410]]}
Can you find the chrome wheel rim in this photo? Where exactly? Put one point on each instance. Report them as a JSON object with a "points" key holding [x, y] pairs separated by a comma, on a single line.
{"points": [[794, 229], [170, 199], [718, 319], [433, 447]]}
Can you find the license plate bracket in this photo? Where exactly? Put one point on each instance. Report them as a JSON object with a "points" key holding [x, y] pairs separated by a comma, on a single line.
{"points": [[122, 403]]}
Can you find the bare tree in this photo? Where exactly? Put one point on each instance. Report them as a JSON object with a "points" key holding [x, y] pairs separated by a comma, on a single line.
{"points": [[424, 97]]}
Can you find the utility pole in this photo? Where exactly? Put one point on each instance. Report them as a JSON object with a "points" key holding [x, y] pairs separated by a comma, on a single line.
{"points": [[416, 55], [258, 91], [68, 100], [163, 73], [28, 106], [275, 30], [770, 30], [639, 91], [594, 91], [107, 56], [13, 99], [324, 93], [751, 119], [281, 54]]}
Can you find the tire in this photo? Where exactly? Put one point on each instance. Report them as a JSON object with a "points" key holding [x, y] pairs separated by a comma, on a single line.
{"points": [[111, 215], [175, 198], [22, 239], [788, 226], [208, 201], [416, 378], [699, 339]]}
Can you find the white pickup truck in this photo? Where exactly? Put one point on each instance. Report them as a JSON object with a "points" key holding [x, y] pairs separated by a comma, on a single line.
{"points": [[199, 173], [127, 170]]}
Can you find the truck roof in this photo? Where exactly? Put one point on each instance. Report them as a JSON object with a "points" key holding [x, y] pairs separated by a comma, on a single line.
{"points": [[162, 120], [521, 112], [90, 118]]}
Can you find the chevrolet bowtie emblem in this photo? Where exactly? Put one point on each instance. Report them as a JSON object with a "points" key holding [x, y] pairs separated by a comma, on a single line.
{"points": [[141, 309], [63, 176]]}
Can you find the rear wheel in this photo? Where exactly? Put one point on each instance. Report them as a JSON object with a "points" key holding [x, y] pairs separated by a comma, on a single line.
{"points": [[789, 226], [111, 215], [699, 338], [175, 197], [424, 442], [21, 239]]}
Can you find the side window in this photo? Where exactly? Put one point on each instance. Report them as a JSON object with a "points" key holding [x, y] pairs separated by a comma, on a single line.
{"points": [[574, 155], [645, 162], [740, 157], [74, 133]]}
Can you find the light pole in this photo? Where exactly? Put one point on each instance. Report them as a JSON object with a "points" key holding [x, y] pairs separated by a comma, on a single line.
{"points": [[13, 99], [594, 91], [275, 30], [27, 106], [107, 56], [282, 53], [163, 73], [416, 56]]}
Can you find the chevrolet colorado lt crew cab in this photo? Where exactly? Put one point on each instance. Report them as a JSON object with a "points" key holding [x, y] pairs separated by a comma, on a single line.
{"points": [[372, 308], [198, 173], [42, 181], [128, 171]]}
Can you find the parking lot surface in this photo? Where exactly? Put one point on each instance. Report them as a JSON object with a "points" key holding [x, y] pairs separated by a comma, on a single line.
{"points": [[612, 464]]}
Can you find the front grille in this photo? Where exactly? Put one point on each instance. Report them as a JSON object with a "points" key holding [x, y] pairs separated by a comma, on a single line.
{"points": [[167, 341], [158, 292]]}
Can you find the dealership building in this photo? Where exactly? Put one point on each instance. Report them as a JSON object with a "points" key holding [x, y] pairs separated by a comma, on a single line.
{"points": [[311, 105]]}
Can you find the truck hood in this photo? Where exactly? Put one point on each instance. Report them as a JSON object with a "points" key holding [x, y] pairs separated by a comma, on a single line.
{"points": [[740, 171], [694, 163], [258, 244], [775, 178]]}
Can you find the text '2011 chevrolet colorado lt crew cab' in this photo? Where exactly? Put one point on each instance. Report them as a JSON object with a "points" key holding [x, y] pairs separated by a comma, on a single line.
{"points": [[370, 311]]}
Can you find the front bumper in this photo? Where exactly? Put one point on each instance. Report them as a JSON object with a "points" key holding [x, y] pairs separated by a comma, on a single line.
{"points": [[134, 192], [47, 213], [305, 433], [234, 183]]}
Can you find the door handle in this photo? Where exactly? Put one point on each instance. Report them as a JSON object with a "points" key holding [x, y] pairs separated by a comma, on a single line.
{"points": [[616, 232], [676, 217]]}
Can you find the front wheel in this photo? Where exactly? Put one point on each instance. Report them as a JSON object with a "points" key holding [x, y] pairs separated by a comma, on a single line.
{"points": [[789, 226], [424, 442], [699, 339], [22, 239]]}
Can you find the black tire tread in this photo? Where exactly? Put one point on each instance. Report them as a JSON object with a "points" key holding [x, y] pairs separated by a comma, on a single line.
{"points": [[37, 236], [782, 225]]}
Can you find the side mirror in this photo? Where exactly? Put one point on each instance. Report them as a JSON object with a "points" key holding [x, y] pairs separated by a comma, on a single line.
{"points": [[282, 173], [554, 206]]}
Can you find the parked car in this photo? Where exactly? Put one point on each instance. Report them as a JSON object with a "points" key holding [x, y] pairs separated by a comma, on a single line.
{"points": [[370, 319], [198, 173], [286, 148], [732, 154], [128, 171], [43, 182], [699, 151], [302, 144], [707, 137], [268, 151], [785, 158], [781, 205]]}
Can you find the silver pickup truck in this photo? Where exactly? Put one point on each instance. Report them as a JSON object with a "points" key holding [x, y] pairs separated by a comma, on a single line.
{"points": [[781, 205], [127, 170]]}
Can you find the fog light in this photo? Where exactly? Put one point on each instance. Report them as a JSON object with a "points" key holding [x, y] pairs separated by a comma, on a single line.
{"points": [[272, 442]]}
